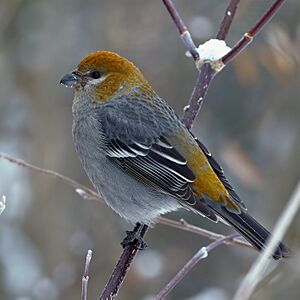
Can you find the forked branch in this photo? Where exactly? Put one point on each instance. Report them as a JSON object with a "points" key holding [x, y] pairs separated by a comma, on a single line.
{"points": [[252, 33], [206, 70]]}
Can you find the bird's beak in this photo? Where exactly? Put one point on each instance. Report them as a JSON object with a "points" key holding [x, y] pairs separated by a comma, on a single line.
{"points": [[71, 80]]}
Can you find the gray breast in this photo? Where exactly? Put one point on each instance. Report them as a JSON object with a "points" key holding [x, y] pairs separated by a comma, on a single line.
{"points": [[130, 198]]}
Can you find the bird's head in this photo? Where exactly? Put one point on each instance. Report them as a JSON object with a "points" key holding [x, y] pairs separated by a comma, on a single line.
{"points": [[104, 75]]}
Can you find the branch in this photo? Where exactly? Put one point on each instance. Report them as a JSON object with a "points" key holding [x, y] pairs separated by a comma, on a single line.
{"points": [[257, 270], [117, 277], [201, 254], [183, 225], [227, 19], [207, 72], [184, 33], [85, 276], [79, 188], [252, 33], [2, 204]]}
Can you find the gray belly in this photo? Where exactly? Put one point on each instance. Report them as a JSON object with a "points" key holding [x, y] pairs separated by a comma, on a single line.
{"points": [[130, 198]]}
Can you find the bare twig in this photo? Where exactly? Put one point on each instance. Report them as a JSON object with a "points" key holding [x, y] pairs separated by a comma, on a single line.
{"points": [[78, 187], [2, 204], [183, 225], [201, 254], [116, 279], [248, 37], [184, 33], [85, 276], [257, 270], [227, 19]]}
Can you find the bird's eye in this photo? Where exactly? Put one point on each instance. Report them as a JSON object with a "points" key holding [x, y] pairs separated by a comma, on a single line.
{"points": [[95, 74]]}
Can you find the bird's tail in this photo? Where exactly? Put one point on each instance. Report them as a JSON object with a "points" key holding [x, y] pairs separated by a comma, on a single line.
{"points": [[252, 231]]}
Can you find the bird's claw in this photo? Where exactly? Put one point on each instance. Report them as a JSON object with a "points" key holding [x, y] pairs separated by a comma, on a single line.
{"points": [[133, 237]]}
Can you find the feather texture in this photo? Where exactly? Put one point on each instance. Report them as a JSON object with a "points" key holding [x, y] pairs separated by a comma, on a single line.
{"points": [[160, 166]]}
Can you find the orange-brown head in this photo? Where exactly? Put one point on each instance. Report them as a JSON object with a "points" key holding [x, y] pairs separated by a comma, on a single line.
{"points": [[104, 75]]}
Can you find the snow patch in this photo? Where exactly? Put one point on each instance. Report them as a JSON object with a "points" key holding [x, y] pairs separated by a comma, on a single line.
{"points": [[212, 50]]}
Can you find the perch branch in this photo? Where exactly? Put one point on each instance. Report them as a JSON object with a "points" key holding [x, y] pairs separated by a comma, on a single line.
{"points": [[117, 277]]}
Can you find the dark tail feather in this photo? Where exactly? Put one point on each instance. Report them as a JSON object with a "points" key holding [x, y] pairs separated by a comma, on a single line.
{"points": [[252, 231]]}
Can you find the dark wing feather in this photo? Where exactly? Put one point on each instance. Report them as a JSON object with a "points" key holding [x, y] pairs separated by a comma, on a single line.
{"points": [[219, 172], [160, 166]]}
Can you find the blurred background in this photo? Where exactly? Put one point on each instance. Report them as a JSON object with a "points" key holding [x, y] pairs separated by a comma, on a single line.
{"points": [[249, 121]]}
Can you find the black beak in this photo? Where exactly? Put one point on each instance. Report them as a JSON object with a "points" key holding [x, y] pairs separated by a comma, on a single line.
{"points": [[71, 80]]}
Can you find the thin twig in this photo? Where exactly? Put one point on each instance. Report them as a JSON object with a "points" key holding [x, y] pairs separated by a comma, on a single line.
{"points": [[227, 19], [2, 204], [78, 186], [183, 225], [258, 268], [201, 254], [117, 277], [248, 37], [184, 33], [85, 276]]}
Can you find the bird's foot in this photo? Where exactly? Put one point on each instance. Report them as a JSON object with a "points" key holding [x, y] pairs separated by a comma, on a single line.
{"points": [[134, 236]]}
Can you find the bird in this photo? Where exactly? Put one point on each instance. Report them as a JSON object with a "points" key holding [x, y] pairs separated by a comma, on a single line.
{"points": [[141, 158]]}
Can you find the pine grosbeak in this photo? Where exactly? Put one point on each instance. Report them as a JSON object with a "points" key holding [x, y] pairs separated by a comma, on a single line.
{"points": [[139, 155]]}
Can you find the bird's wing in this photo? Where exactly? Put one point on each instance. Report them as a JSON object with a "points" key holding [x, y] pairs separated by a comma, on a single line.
{"points": [[160, 166], [219, 172], [148, 156]]}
